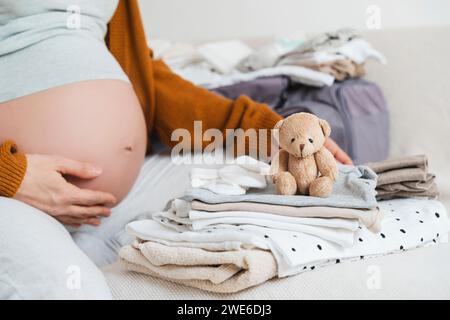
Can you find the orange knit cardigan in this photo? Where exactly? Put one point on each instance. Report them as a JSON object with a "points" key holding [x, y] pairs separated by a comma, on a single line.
{"points": [[168, 101]]}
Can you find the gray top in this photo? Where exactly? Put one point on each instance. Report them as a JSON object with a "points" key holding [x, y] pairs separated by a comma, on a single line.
{"points": [[44, 44], [354, 188]]}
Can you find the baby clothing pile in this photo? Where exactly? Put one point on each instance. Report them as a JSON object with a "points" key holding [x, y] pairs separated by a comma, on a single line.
{"points": [[228, 242], [405, 177], [341, 54], [315, 61]]}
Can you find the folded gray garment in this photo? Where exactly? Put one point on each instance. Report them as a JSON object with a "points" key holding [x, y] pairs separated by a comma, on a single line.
{"points": [[401, 175], [417, 185], [418, 161], [432, 192], [404, 178], [354, 188]]}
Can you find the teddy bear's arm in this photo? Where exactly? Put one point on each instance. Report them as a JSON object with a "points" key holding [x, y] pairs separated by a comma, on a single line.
{"points": [[279, 162], [326, 163]]}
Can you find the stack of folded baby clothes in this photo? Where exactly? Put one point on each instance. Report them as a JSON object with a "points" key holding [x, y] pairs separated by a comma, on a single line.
{"points": [[222, 242], [405, 177], [340, 53]]}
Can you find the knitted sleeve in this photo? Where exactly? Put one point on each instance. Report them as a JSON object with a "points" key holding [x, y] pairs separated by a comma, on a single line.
{"points": [[180, 103], [12, 168], [168, 101]]}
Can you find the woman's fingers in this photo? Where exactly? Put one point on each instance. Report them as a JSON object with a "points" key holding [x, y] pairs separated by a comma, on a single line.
{"points": [[77, 222], [87, 197], [92, 211], [342, 157], [78, 169], [337, 152]]}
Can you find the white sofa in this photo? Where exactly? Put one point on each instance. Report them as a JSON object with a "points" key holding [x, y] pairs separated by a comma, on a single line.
{"points": [[417, 88]]}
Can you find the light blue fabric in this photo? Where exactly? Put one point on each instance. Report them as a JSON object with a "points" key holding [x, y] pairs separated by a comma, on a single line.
{"points": [[39, 260], [42, 46], [354, 188]]}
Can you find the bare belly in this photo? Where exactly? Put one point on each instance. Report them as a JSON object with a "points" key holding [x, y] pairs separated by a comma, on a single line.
{"points": [[98, 121]]}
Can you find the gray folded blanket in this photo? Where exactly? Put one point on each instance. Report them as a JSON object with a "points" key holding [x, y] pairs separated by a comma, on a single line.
{"points": [[354, 188], [404, 178]]}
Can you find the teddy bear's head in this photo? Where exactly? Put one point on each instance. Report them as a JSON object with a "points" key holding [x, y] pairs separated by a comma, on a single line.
{"points": [[302, 134]]}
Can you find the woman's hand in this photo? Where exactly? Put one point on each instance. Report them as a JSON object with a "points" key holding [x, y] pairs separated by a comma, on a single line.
{"points": [[45, 188], [337, 152]]}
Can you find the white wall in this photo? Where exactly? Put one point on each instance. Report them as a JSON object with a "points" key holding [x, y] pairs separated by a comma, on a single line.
{"points": [[196, 20]]}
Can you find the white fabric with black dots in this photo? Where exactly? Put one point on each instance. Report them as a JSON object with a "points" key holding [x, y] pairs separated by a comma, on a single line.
{"points": [[407, 224]]}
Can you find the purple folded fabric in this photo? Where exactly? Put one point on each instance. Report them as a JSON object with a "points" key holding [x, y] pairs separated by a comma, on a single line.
{"points": [[355, 109]]}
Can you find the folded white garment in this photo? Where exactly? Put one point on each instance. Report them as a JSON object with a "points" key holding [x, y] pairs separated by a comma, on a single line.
{"points": [[408, 223], [175, 54], [252, 164], [338, 231], [204, 217], [231, 179], [358, 50], [151, 230], [224, 55], [201, 74]]}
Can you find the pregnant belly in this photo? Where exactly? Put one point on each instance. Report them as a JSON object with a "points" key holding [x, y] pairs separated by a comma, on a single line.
{"points": [[97, 121]]}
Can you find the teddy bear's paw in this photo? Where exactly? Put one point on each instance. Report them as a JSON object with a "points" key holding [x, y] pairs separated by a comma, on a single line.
{"points": [[334, 172], [286, 184], [321, 187]]}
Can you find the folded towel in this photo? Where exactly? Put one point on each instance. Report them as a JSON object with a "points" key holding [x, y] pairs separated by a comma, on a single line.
{"points": [[354, 188], [404, 177], [224, 272], [370, 218]]}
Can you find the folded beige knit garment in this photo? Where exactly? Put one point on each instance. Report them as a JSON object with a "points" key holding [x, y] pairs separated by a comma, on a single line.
{"points": [[224, 272], [404, 178], [432, 192], [418, 161], [401, 175], [427, 184], [370, 218]]}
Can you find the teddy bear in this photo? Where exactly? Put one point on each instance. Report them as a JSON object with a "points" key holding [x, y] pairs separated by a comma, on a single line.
{"points": [[303, 165]]}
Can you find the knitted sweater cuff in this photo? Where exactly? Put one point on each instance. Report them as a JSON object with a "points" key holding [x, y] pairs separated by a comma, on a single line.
{"points": [[13, 166]]}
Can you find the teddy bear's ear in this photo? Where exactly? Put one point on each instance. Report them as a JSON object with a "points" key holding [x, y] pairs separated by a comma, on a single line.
{"points": [[326, 129], [276, 130], [278, 124]]}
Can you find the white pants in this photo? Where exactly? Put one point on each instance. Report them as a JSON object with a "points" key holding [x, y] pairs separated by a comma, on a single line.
{"points": [[41, 259]]}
